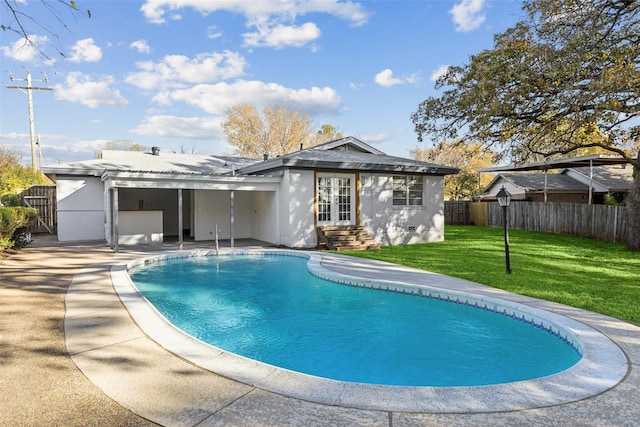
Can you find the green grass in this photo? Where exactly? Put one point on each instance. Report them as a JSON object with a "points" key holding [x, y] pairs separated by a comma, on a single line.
{"points": [[594, 275]]}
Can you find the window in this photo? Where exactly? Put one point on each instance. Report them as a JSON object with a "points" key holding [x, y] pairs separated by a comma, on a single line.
{"points": [[407, 190]]}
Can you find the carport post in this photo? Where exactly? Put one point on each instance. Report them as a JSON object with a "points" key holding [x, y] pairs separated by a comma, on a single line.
{"points": [[180, 237], [231, 203], [116, 234]]}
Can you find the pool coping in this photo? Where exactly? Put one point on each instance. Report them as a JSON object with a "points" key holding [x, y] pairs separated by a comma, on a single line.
{"points": [[602, 366]]}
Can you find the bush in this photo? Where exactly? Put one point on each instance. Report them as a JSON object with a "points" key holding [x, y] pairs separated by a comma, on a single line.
{"points": [[14, 225]]}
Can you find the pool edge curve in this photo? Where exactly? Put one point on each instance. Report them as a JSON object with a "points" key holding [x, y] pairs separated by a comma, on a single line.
{"points": [[602, 366]]}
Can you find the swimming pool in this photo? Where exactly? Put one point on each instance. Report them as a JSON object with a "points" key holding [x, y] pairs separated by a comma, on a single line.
{"points": [[602, 366], [269, 308]]}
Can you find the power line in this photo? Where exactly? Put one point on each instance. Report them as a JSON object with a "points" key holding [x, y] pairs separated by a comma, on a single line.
{"points": [[29, 88]]}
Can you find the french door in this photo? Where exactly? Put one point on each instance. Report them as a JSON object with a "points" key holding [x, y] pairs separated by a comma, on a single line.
{"points": [[335, 199]]}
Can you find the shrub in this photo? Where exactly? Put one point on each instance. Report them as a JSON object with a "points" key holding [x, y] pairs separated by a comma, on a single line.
{"points": [[14, 225]]}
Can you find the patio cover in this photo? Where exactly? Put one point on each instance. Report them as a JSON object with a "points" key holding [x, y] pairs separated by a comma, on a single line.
{"points": [[570, 162]]}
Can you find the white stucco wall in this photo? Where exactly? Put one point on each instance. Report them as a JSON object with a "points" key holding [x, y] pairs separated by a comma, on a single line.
{"points": [[80, 208], [264, 213], [135, 227], [296, 209], [156, 199], [213, 207], [401, 225]]}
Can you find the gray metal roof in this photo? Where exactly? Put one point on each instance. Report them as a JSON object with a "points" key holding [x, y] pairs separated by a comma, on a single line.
{"points": [[348, 144], [335, 155], [313, 158], [135, 161], [570, 162], [535, 182]]}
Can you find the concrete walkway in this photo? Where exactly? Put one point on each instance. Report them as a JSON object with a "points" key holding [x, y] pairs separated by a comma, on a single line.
{"points": [[41, 384]]}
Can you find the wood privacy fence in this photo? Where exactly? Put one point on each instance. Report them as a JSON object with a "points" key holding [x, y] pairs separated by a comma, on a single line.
{"points": [[596, 221], [457, 212], [42, 198]]}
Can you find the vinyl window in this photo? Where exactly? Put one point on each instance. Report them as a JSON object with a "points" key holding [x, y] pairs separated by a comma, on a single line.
{"points": [[407, 190]]}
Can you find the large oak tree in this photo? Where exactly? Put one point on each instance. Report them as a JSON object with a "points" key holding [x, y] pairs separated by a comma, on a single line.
{"points": [[565, 78]]}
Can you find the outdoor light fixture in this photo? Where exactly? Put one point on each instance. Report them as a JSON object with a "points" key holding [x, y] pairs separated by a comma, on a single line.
{"points": [[504, 199]]}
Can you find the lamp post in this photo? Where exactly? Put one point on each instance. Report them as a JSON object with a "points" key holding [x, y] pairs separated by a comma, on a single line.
{"points": [[504, 198]]}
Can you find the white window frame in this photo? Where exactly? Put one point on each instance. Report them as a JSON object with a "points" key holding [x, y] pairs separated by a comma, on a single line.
{"points": [[406, 194]]}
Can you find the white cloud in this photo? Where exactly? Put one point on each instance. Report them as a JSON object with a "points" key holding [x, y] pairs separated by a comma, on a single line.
{"points": [[385, 78], [217, 98], [23, 51], [175, 70], [280, 36], [467, 15], [181, 127], [85, 50], [141, 46], [374, 138], [155, 10], [79, 88], [213, 32], [274, 20], [441, 71]]}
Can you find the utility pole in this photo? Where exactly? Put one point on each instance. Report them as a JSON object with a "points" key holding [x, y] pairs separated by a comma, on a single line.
{"points": [[29, 88]]}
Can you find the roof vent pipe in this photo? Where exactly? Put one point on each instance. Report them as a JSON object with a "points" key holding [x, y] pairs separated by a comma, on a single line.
{"points": [[301, 145], [265, 156], [155, 151]]}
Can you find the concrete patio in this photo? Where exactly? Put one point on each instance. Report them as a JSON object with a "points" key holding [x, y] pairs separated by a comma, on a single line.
{"points": [[59, 311]]}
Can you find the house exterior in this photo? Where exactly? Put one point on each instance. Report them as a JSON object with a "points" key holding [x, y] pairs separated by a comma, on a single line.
{"points": [[134, 197], [570, 185]]}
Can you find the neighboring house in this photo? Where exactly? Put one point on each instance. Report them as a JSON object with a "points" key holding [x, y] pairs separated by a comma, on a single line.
{"points": [[134, 197], [570, 185], [615, 180]]}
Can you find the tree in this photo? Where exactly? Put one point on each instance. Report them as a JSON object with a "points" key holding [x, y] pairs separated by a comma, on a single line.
{"points": [[566, 78], [274, 131], [21, 18], [120, 144], [466, 157], [327, 133], [15, 178]]}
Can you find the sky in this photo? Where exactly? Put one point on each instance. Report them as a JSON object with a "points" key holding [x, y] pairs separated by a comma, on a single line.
{"points": [[164, 72]]}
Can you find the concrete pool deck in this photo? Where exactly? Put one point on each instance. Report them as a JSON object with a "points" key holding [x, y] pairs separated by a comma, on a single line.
{"points": [[152, 383]]}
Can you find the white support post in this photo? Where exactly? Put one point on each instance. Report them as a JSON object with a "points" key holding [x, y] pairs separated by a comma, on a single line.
{"points": [[232, 217], [180, 220], [116, 233]]}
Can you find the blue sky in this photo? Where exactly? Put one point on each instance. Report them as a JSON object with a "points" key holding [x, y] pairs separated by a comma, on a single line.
{"points": [[163, 72]]}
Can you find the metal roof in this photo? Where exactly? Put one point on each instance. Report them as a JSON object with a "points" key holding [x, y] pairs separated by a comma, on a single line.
{"points": [[136, 161], [570, 162], [346, 154], [347, 160]]}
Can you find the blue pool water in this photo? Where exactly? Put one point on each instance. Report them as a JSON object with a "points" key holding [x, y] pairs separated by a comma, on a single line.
{"points": [[271, 309]]}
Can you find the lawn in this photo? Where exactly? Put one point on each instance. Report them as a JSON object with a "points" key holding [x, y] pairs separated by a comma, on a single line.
{"points": [[594, 275]]}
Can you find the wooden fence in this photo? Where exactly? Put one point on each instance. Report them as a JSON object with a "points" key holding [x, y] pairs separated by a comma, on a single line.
{"points": [[596, 221], [43, 198], [457, 212]]}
